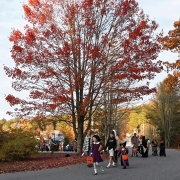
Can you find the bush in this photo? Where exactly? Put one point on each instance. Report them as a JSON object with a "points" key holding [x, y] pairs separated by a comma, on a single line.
{"points": [[17, 144]]}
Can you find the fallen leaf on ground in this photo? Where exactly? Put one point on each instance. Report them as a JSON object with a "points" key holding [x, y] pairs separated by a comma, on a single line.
{"points": [[42, 161]]}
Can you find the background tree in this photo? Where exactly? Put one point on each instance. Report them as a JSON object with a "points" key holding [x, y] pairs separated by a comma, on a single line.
{"points": [[98, 123], [115, 110], [72, 53], [122, 122], [164, 113], [101, 125], [49, 124], [40, 123], [134, 121], [172, 42], [66, 130], [2, 122], [138, 121]]}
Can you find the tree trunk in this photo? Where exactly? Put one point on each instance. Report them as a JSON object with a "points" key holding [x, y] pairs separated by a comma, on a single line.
{"points": [[74, 125], [80, 134], [54, 124]]}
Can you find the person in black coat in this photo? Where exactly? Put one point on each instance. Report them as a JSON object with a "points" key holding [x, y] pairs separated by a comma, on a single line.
{"points": [[162, 147], [144, 149]]}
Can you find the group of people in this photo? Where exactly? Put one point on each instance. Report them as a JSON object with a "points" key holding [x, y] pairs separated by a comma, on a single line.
{"points": [[52, 145], [141, 145], [93, 146]]}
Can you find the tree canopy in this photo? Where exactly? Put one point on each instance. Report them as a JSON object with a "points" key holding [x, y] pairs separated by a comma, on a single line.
{"points": [[74, 52]]}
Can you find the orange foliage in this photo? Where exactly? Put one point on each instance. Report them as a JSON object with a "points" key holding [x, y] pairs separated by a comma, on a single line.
{"points": [[172, 42], [34, 2], [171, 81], [42, 19], [66, 130], [27, 10]]}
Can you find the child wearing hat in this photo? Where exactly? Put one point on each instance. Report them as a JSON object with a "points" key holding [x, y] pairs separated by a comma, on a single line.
{"points": [[123, 153]]}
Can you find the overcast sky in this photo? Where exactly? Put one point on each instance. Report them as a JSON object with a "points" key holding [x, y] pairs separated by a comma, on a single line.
{"points": [[165, 12]]}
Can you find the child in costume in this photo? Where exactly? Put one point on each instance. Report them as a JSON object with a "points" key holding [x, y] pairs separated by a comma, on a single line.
{"points": [[123, 153], [134, 151], [97, 148]]}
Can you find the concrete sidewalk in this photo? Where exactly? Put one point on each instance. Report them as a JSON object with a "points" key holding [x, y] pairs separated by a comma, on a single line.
{"points": [[151, 168]]}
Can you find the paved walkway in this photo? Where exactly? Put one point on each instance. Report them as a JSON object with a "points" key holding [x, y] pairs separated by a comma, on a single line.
{"points": [[151, 168]]}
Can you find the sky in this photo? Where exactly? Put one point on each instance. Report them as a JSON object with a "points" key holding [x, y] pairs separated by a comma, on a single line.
{"points": [[164, 12]]}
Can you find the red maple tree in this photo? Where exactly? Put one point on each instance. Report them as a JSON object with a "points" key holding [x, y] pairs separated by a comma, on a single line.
{"points": [[75, 51]]}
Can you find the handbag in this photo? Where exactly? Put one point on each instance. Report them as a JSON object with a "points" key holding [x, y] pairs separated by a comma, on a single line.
{"points": [[89, 160], [144, 149], [125, 157]]}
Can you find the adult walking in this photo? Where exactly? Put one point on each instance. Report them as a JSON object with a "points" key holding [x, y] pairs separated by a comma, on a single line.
{"points": [[139, 144], [118, 147], [74, 144], [134, 140], [144, 149], [162, 147], [53, 145], [148, 143], [87, 145]]}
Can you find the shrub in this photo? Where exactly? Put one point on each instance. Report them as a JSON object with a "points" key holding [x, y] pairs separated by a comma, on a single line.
{"points": [[17, 144]]}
